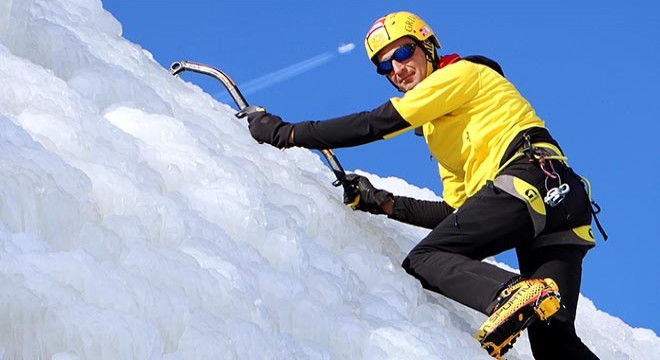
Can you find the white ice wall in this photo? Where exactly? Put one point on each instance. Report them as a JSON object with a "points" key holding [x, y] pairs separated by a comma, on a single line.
{"points": [[138, 220]]}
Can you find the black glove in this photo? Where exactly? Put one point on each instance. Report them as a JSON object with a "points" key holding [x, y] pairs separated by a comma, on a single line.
{"points": [[266, 127], [370, 198]]}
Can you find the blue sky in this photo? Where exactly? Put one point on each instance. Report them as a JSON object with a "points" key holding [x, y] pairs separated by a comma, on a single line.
{"points": [[591, 70]]}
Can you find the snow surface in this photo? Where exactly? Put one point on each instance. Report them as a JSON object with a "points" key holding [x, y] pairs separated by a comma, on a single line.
{"points": [[139, 220]]}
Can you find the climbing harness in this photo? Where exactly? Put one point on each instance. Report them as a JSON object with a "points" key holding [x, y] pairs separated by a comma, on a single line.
{"points": [[543, 154]]}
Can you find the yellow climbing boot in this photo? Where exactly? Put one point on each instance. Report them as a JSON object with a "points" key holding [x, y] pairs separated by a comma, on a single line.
{"points": [[518, 305]]}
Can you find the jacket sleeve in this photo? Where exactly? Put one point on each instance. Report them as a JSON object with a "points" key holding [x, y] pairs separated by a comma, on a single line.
{"points": [[423, 213], [350, 130]]}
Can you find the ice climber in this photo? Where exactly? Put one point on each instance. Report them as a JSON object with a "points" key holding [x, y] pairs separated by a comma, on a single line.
{"points": [[506, 185]]}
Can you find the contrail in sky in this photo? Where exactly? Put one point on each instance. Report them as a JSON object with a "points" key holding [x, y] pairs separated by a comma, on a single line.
{"points": [[286, 73], [290, 71]]}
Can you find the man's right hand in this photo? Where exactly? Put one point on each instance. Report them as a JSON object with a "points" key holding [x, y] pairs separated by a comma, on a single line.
{"points": [[372, 200]]}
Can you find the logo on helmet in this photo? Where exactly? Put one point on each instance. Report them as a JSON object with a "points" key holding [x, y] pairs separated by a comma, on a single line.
{"points": [[380, 23], [377, 35], [410, 22]]}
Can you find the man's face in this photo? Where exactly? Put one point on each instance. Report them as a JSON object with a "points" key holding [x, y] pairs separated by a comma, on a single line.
{"points": [[406, 74]]}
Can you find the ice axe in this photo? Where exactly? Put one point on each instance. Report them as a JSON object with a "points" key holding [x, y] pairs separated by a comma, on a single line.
{"points": [[351, 194]]}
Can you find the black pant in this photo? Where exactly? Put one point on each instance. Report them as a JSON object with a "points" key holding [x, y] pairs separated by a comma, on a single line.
{"points": [[448, 260], [563, 263]]}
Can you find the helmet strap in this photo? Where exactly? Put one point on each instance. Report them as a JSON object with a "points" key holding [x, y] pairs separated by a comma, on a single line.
{"points": [[431, 55], [429, 50]]}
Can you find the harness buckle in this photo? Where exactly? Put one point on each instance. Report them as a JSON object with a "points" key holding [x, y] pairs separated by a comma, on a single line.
{"points": [[528, 148]]}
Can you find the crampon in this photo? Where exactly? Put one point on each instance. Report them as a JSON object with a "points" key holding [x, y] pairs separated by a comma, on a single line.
{"points": [[518, 306]]}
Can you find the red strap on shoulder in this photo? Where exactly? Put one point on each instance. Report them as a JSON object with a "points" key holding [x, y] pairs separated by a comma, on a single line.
{"points": [[448, 59]]}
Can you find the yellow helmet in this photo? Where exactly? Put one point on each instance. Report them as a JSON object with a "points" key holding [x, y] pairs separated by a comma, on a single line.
{"points": [[395, 26]]}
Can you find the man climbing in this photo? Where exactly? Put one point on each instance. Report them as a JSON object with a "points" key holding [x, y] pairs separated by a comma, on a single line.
{"points": [[506, 185]]}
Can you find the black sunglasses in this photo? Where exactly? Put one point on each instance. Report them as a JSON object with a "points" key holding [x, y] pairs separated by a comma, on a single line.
{"points": [[402, 53]]}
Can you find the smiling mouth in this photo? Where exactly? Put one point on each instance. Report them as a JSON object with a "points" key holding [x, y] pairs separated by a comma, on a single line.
{"points": [[406, 78]]}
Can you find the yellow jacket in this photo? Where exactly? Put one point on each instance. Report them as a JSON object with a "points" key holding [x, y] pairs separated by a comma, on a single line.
{"points": [[470, 114]]}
